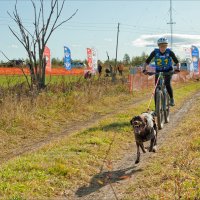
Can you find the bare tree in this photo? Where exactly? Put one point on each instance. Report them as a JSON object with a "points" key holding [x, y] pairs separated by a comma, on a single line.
{"points": [[35, 42]]}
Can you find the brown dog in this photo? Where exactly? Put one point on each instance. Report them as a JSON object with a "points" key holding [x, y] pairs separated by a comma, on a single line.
{"points": [[145, 129]]}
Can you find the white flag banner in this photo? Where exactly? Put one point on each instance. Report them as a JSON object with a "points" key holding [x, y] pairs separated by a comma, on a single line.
{"points": [[188, 57], [94, 59]]}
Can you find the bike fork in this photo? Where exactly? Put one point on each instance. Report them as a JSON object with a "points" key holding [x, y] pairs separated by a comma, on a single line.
{"points": [[164, 99]]}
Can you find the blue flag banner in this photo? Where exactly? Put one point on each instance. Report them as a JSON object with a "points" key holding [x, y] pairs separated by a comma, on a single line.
{"points": [[195, 58], [67, 58]]}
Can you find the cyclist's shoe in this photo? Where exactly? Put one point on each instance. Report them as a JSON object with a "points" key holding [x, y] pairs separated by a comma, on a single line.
{"points": [[172, 102]]}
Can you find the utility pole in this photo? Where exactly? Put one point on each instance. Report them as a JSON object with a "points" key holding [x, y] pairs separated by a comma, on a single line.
{"points": [[116, 48], [171, 23]]}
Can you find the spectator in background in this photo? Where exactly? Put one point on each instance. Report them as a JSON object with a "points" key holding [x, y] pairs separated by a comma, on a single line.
{"points": [[99, 68], [111, 69], [88, 75], [120, 69], [107, 71]]}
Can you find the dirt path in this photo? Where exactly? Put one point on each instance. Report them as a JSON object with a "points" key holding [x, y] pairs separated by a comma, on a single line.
{"points": [[115, 185], [33, 145], [113, 188]]}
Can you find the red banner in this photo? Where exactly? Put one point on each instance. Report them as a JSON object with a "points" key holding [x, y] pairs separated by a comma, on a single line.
{"points": [[89, 57], [48, 58]]}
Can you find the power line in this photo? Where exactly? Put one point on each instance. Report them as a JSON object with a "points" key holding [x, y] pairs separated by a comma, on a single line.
{"points": [[107, 0], [99, 28], [149, 30], [189, 22]]}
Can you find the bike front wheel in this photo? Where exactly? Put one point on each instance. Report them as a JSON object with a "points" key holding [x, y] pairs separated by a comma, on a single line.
{"points": [[159, 109], [166, 109]]}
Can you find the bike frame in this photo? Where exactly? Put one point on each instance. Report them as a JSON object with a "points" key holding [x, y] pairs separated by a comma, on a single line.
{"points": [[154, 90], [159, 83], [161, 99], [161, 86]]}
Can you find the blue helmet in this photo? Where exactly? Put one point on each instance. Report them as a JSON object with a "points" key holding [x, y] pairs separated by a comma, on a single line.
{"points": [[162, 41]]}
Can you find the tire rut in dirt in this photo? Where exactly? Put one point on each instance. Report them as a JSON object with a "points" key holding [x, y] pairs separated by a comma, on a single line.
{"points": [[114, 188], [32, 146]]}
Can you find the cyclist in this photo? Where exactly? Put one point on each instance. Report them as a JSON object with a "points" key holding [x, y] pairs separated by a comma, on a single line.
{"points": [[163, 62]]}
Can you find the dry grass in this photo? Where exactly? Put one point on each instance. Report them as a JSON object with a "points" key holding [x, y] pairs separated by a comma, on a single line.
{"points": [[25, 118], [65, 164], [174, 173]]}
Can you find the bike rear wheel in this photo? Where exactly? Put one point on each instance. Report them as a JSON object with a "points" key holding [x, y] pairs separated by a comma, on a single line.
{"points": [[159, 109], [167, 108]]}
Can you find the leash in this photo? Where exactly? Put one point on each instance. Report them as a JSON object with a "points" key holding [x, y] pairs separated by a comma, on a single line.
{"points": [[153, 93]]}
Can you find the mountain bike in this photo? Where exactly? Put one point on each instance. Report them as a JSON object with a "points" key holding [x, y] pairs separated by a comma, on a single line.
{"points": [[162, 100]]}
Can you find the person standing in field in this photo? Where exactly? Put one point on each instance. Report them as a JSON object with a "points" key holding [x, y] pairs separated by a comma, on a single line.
{"points": [[120, 69], [99, 68]]}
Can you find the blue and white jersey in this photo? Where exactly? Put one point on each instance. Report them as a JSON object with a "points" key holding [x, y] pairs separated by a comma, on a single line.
{"points": [[163, 62]]}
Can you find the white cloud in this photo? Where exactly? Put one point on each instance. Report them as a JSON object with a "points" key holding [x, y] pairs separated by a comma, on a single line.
{"points": [[179, 40], [108, 39], [14, 46]]}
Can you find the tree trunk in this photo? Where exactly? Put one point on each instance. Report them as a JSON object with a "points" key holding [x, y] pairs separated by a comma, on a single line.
{"points": [[42, 86]]}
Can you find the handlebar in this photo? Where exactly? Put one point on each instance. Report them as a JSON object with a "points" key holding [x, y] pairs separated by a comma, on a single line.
{"points": [[163, 73]]}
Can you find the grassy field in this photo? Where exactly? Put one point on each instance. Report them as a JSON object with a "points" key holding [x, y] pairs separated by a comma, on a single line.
{"points": [[9, 81], [12, 80], [174, 173], [64, 165]]}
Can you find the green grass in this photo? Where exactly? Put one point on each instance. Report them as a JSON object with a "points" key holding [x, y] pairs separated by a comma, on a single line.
{"points": [[174, 173], [63, 78], [12, 80], [62, 165], [9, 81]]}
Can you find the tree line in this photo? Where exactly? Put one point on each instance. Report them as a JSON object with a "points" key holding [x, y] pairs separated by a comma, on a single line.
{"points": [[127, 61], [57, 62]]}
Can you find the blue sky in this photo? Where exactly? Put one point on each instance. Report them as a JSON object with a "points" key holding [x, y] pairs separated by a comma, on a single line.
{"points": [[95, 25]]}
